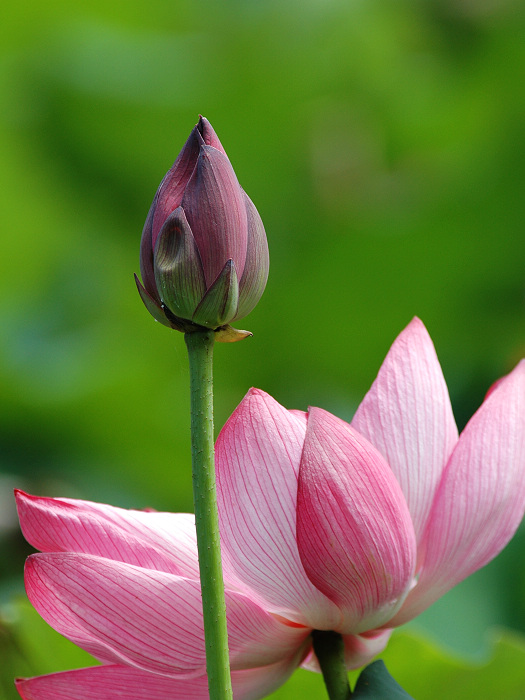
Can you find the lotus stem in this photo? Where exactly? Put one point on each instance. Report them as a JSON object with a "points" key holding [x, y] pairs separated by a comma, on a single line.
{"points": [[200, 353], [330, 652]]}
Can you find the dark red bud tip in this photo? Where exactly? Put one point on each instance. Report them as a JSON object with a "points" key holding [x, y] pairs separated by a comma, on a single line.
{"points": [[208, 134]]}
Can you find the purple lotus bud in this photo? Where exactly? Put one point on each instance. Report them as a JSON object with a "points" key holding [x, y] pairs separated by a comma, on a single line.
{"points": [[203, 254]]}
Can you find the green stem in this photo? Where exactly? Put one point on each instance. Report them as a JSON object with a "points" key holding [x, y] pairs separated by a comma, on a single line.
{"points": [[330, 651], [200, 353]]}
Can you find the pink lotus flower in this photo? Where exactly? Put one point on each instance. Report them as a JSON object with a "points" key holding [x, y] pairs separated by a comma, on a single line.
{"points": [[324, 525], [124, 585], [203, 253]]}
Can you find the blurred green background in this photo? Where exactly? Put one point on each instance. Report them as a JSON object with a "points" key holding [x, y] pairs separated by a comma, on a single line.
{"points": [[383, 142]]}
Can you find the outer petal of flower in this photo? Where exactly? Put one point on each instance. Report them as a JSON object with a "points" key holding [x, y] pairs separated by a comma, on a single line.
{"points": [[214, 206], [255, 275], [257, 460], [148, 619], [179, 276], [360, 649], [354, 531], [160, 541], [125, 683], [154, 307], [171, 189], [481, 498], [407, 416], [209, 136], [301, 415], [146, 257], [219, 304]]}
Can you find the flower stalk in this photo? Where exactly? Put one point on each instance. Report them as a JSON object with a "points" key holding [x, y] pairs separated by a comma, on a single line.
{"points": [[330, 651], [200, 354]]}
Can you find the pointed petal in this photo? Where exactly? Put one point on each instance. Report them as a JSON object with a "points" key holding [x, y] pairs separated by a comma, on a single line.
{"points": [[481, 498], [354, 531], [151, 305], [257, 461], [360, 649], [219, 304], [160, 541], [119, 613], [124, 614], [146, 259], [302, 415], [171, 190], [178, 269], [107, 683], [209, 136], [228, 334], [407, 416], [126, 683], [255, 275], [214, 206]]}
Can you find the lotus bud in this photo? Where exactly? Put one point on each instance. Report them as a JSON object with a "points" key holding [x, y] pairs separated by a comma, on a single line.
{"points": [[203, 254]]}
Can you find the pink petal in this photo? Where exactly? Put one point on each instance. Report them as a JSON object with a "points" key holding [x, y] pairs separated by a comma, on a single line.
{"points": [[407, 416], [354, 531], [127, 615], [214, 206], [125, 683], [481, 498], [302, 415], [160, 541], [108, 682], [257, 460], [360, 649]]}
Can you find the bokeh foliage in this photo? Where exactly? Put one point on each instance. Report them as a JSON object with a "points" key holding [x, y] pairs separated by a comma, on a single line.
{"points": [[383, 143]]}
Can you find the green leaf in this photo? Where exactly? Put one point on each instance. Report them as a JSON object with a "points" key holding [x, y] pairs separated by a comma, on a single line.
{"points": [[375, 683]]}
